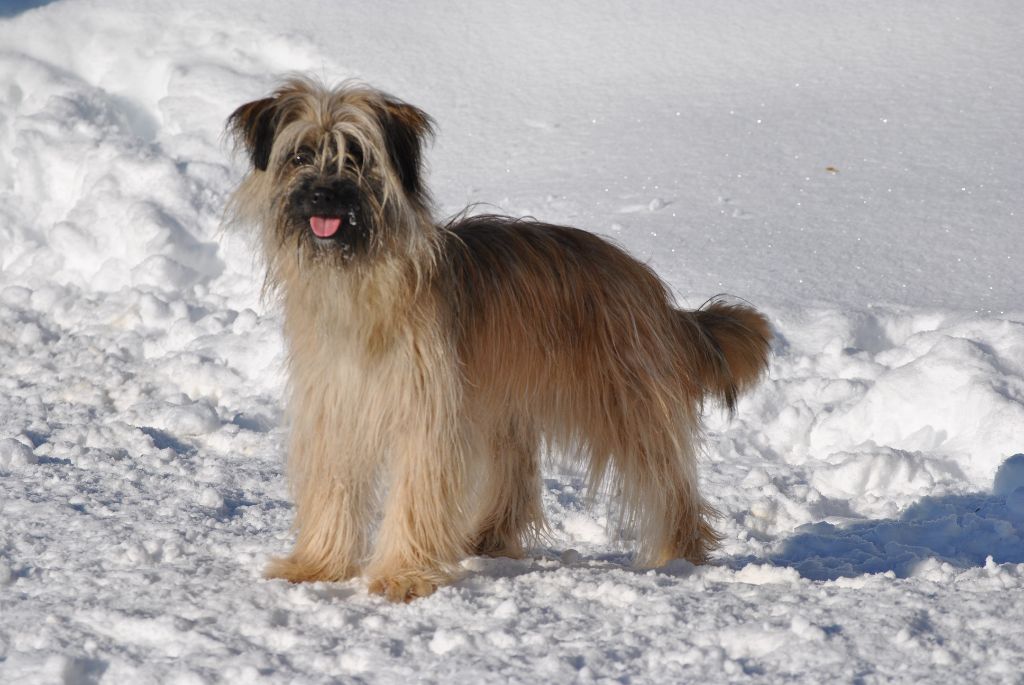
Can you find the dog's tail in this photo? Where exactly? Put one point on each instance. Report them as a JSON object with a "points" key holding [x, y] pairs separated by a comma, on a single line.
{"points": [[730, 344]]}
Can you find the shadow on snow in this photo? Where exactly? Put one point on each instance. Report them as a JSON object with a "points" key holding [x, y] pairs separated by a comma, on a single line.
{"points": [[960, 530], [10, 8]]}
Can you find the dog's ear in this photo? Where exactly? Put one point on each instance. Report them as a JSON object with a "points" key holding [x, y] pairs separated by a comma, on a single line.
{"points": [[405, 128], [253, 125]]}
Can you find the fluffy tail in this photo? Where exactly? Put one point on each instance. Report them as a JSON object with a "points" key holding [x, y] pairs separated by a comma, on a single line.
{"points": [[731, 343]]}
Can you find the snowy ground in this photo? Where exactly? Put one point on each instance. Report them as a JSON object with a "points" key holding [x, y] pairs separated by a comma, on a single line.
{"points": [[852, 169]]}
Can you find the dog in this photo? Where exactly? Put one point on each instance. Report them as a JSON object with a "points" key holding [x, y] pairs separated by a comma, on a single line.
{"points": [[432, 363]]}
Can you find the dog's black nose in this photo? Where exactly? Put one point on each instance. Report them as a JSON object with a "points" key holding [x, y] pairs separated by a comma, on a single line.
{"points": [[320, 197], [327, 197]]}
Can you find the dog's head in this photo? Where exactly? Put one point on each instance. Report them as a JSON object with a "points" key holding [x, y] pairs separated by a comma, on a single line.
{"points": [[335, 173]]}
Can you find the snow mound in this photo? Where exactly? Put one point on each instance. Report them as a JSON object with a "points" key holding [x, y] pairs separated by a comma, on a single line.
{"points": [[108, 207], [1009, 476]]}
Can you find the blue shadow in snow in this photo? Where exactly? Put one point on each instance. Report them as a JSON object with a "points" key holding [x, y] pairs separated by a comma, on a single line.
{"points": [[961, 530], [10, 8]]}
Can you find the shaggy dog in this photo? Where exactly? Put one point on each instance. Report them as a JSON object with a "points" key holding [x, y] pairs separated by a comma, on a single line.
{"points": [[432, 363]]}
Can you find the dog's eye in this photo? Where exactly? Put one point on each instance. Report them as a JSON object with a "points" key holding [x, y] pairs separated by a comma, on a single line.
{"points": [[354, 154], [302, 158]]}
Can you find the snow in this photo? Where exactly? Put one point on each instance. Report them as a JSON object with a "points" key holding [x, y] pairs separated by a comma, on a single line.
{"points": [[853, 171]]}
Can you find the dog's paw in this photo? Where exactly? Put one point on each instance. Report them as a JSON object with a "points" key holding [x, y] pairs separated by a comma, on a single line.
{"points": [[403, 588]]}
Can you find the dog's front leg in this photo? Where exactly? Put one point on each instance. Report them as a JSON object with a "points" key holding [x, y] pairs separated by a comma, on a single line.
{"points": [[332, 466], [423, 535], [333, 489]]}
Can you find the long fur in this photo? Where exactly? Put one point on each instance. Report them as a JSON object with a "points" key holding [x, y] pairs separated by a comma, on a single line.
{"points": [[431, 363]]}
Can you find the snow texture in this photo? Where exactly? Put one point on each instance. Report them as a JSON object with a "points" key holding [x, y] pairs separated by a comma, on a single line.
{"points": [[854, 170]]}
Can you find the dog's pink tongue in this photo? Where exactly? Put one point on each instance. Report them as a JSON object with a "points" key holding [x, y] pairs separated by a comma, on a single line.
{"points": [[324, 226]]}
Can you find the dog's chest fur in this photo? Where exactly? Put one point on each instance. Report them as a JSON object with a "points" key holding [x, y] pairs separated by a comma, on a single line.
{"points": [[368, 359]]}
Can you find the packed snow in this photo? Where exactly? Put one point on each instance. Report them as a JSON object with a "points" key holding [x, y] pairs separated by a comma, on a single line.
{"points": [[853, 170]]}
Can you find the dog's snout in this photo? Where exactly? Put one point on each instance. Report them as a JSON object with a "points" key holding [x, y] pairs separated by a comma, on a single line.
{"points": [[330, 211], [329, 198]]}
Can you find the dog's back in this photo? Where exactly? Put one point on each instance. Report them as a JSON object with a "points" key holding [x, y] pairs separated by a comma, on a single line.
{"points": [[562, 300]]}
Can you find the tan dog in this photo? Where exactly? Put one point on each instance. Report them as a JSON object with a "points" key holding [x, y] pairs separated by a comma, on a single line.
{"points": [[431, 363]]}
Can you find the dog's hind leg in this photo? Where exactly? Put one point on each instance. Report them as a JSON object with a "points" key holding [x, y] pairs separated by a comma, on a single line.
{"points": [[644, 451], [662, 502], [510, 511]]}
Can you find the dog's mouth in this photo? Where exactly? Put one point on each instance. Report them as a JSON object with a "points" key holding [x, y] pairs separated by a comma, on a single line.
{"points": [[324, 227], [328, 216], [328, 226]]}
